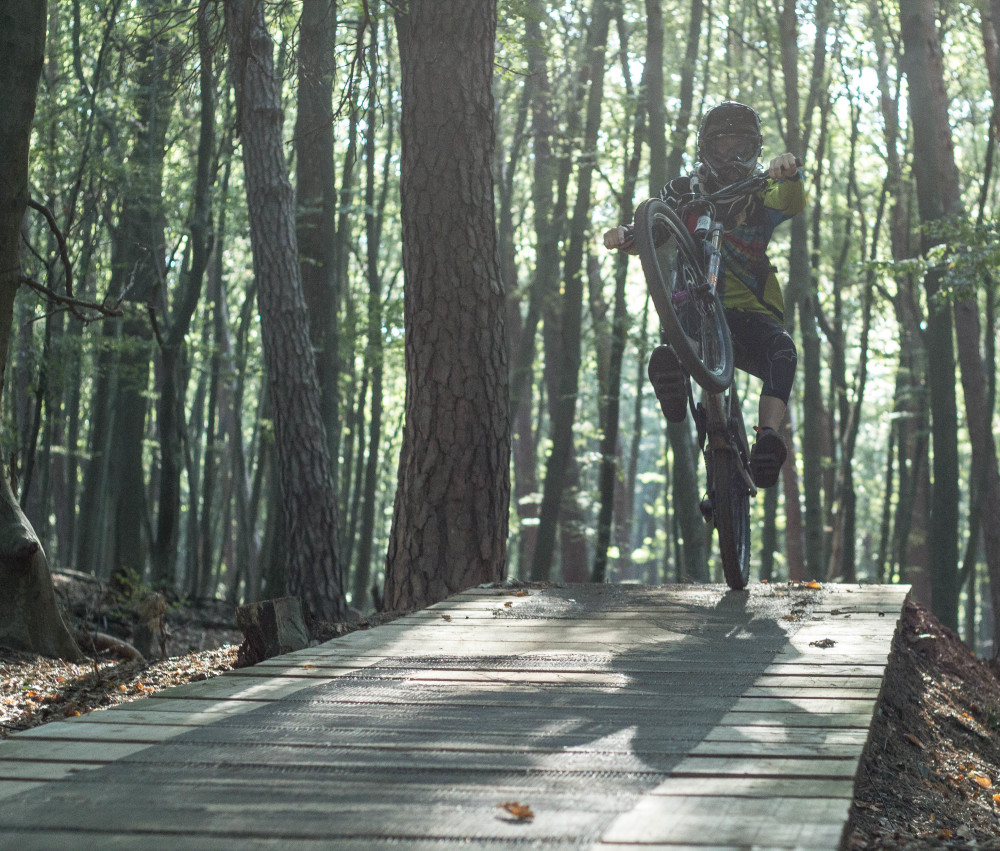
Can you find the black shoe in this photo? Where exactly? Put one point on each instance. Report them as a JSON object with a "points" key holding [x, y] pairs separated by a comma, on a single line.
{"points": [[670, 383], [768, 454]]}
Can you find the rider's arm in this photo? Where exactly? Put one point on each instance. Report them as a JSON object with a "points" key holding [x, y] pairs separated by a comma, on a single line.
{"points": [[787, 194]]}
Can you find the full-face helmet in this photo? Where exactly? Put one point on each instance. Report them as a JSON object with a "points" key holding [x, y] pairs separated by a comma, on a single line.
{"points": [[729, 142]]}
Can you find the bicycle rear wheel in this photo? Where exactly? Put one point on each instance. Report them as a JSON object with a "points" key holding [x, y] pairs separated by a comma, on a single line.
{"points": [[730, 498], [691, 314]]}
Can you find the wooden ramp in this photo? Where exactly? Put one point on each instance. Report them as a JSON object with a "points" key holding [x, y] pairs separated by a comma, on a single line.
{"points": [[623, 716]]}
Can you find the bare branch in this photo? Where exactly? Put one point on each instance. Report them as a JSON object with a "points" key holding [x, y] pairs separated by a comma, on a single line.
{"points": [[60, 239], [73, 303]]}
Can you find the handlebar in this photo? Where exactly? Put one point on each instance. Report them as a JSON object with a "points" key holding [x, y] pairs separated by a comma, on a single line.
{"points": [[752, 183]]}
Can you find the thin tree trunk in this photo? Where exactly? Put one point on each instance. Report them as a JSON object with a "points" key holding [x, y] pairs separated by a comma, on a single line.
{"points": [[374, 356], [307, 488], [569, 361], [802, 288], [170, 419], [610, 404], [316, 199], [937, 187]]}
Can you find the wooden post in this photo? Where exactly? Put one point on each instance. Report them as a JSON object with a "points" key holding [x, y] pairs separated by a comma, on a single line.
{"points": [[270, 628]]}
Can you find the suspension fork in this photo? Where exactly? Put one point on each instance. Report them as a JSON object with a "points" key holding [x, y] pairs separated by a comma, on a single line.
{"points": [[715, 256]]}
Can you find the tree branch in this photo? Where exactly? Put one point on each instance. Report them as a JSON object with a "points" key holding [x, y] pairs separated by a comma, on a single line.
{"points": [[72, 303], [60, 239]]}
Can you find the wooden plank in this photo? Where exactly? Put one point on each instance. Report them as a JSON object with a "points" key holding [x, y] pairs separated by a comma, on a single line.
{"points": [[756, 787], [771, 823]]}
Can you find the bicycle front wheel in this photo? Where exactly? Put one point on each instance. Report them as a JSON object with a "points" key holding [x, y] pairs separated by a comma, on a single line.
{"points": [[730, 499], [690, 313]]}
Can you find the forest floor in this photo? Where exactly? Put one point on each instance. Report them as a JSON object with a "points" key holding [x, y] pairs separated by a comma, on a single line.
{"points": [[930, 777]]}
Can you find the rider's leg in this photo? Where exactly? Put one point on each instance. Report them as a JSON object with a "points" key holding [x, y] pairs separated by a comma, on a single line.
{"points": [[765, 349], [771, 412]]}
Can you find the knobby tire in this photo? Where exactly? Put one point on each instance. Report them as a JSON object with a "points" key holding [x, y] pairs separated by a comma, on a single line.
{"points": [[692, 319], [731, 512]]}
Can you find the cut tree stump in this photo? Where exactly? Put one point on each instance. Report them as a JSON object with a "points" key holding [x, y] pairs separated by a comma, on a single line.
{"points": [[270, 628]]}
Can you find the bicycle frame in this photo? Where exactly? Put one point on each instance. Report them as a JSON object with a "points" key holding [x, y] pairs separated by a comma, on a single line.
{"points": [[721, 410]]}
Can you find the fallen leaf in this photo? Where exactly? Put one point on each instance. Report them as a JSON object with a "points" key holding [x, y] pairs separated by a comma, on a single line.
{"points": [[509, 603], [996, 798], [521, 594], [981, 780], [446, 617], [519, 811], [826, 642], [915, 741], [812, 583]]}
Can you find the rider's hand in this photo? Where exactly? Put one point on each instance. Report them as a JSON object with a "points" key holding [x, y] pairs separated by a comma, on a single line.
{"points": [[617, 238], [783, 167]]}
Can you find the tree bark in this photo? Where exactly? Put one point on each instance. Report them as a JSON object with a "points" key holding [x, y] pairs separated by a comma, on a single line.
{"points": [[308, 494], [316, 199], [449, 528], [29, 616], [937, 185]]}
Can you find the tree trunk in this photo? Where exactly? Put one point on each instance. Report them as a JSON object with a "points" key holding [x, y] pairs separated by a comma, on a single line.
{"points": [[171, 405], [802, 288], [561, 430], [937, 184], [316, 199], [610, 404], [374, 354], [308, 494], [449, 528], [29, 616]]}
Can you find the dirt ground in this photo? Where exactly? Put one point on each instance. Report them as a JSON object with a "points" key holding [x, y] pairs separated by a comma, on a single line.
{"points": [[930, 777], [931, 773]]}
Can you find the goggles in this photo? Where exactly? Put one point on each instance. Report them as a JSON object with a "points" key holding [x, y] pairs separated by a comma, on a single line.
{"points": [[733, 148]]}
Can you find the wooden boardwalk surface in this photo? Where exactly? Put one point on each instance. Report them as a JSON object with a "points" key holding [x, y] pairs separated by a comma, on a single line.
{"points": [[623, 716]]}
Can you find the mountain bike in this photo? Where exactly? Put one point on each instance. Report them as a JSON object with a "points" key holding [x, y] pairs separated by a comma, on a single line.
{"points": [[681, 270]]}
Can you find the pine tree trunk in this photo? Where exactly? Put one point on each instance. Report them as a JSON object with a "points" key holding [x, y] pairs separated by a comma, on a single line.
{"points": [[449, 527], [307, 488]]}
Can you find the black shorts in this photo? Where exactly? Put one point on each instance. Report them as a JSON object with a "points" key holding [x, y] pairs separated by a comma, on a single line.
{"points": [[762, 347]]}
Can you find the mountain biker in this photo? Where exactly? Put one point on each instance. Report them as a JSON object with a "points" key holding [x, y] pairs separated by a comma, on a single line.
{"points": [[729, 145]]}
